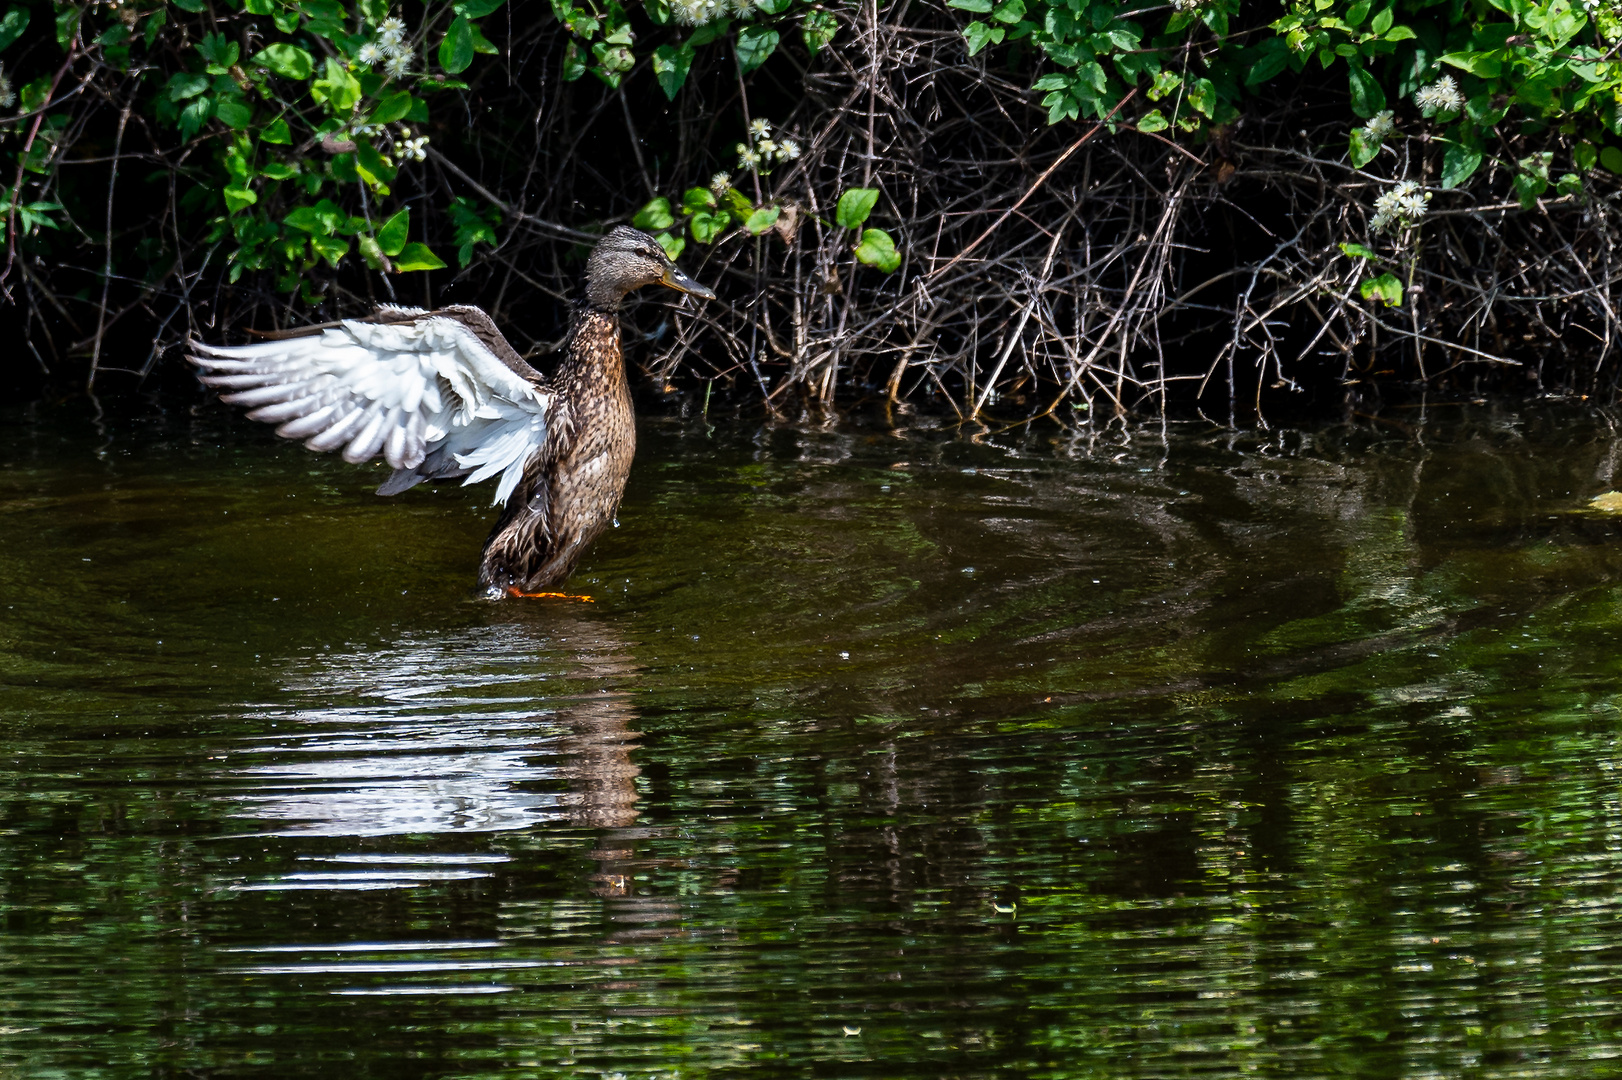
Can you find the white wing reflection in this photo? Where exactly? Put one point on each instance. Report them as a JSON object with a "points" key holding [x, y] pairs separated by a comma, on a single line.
{"points": [[492, 729]]}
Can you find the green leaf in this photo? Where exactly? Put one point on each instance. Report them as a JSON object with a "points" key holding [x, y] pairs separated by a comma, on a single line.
{"points": [[1584, 155], [391, 108], [391, 238], [854, 206], [1382, 21], [372, 252], [219, 53], [1009, 11], [762, 219], [476, 9], [67, 24], [979, 35], [1358, 12], [654, 217], [817, 29], [979, 7], [189, 5], [1358, 251], [288, 61], [337, 87], [671, 64], [371, 162], [755, 44], [277, 170], [234, 114], [1363, 148], [738, 203], [1458, 163], [1569, 184], [707, 227], [322, 219], [1152, 121], [1485, 64], [1385, 288], [1274, 59], [673, 243], [277, 132], [13, 25], [1202, 95], [331, 248], [456, 49], [1611, 158], [182, 86], [1367, 97], [695, 199], [878, 251], [239, 198], [1401, 33], [416, 256], [482, 44]]}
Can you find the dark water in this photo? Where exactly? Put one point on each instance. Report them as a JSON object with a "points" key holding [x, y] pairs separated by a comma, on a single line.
{"points": [[1199, 754]]}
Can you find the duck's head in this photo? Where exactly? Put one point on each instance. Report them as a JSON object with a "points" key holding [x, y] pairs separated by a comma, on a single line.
{"points": [[628, 259]]}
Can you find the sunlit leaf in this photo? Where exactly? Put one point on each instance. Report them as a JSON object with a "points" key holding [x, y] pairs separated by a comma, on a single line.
{"points": [[288, 61], [456, 50], [854, 206], [416, 256], [878, 250]]}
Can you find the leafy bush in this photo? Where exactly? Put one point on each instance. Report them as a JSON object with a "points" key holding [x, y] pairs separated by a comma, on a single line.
{"points": [[1469, 68]]}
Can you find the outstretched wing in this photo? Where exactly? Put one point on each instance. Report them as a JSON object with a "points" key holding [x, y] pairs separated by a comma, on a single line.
{"points": [[423, 390]]}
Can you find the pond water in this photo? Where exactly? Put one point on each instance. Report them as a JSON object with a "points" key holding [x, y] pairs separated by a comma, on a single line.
{"points": [[1158, 753]]}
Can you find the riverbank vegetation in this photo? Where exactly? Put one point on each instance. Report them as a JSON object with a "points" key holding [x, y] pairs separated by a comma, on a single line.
{"points": [[993, 208]]}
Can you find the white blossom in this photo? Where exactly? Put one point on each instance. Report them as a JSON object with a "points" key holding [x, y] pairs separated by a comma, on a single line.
{"points": [[697, 12], [8, 93], [1381, 127], [391, 33], [1399, 208], [766, 148], [787, 150], [398, 65], [759, 129], [1441, 95], [720, 182], [411, 149], [370, 53], [747, 158]]}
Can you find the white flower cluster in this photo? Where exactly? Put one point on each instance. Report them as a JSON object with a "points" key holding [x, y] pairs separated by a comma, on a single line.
{"points": [[389, 49], [1380, 128], [762, 151], [411, 149], [8, 93], [1187, 5], [1442, 95], [719, 184], [699, 12], [1399, 208]]}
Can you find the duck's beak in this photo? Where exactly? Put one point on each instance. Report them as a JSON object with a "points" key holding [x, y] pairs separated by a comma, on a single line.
{"points": [[682, 283]]}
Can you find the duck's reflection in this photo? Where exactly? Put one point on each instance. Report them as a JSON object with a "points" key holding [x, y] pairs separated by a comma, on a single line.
{"points": [[492, 729]]}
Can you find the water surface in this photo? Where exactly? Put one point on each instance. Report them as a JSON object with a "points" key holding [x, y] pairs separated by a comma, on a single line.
{"points": [[1181, 752]]}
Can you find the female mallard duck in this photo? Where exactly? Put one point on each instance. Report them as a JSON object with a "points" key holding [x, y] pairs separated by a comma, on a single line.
{"points": [[442, 394]]}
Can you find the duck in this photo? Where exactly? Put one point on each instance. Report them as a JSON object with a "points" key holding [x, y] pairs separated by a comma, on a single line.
{"points": [[441, 394]]}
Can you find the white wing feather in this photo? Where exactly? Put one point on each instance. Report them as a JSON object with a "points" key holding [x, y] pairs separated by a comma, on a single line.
{"points": [[427, 394]]}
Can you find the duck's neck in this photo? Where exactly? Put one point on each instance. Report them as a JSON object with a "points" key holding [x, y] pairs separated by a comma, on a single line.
{"points": [[594, 363]]}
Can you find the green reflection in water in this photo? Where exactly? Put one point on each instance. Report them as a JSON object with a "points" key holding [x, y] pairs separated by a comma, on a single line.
{"points": [[1220, 754]]}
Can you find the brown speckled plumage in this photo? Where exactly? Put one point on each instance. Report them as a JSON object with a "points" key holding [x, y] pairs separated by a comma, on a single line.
{"points": [[569, 493]]}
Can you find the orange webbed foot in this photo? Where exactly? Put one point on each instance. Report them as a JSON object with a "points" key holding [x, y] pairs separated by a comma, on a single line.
{"points": [[513, 590]]}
